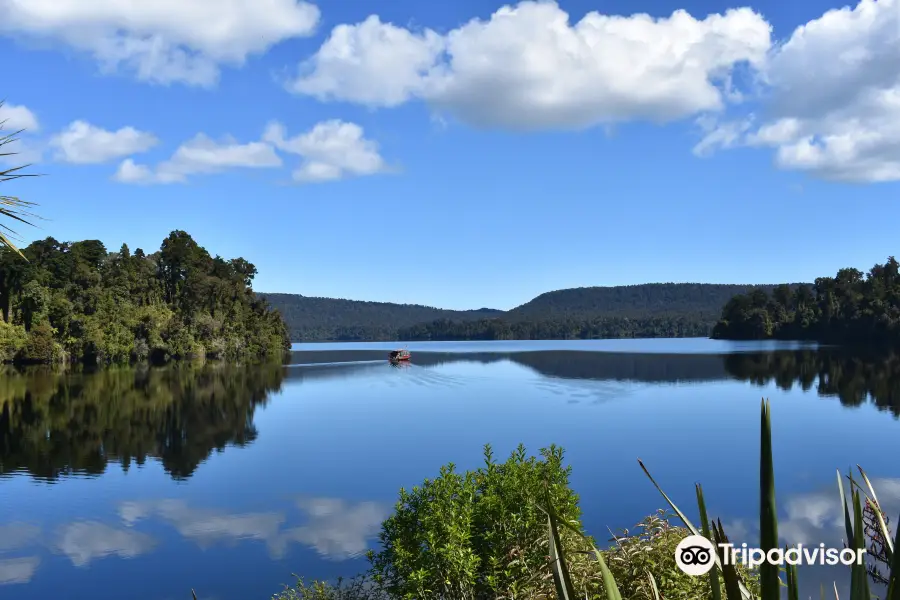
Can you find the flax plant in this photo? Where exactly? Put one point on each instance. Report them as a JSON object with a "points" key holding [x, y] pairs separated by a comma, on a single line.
{"points": [[770, 576], [12, 207]]}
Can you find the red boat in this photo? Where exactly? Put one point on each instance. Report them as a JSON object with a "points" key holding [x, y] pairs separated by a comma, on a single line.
{"points": [[398, 356]]}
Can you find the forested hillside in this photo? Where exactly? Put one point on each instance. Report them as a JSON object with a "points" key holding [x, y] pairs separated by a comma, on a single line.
{"points": [[698, 300], [649, 310], [851, 307], [77, 301], [316, 319], [561, 328]]}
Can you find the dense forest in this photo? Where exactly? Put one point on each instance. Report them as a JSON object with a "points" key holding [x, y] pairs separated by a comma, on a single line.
{"points": [[850, 308], [316, 319], [75, 301], [649, 310], [700, 301], [573, 328]]}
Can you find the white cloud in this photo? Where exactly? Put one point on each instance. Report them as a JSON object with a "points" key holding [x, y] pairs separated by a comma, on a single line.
{"points": [[16, 117], [83, 143], [832, 106], [331, 150], [527, 67], [163, 41], [22, 149], [372, 63], [200, 155]]}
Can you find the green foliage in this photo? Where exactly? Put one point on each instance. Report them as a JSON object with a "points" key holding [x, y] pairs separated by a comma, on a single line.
{"points": [[561, 328], [115, 308], [40, 346], [849, 308], [360, 588], [477, 534], [12, 340], [650, 549]]}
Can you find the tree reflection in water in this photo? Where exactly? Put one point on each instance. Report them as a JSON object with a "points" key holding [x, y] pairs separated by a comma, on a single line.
{"points": [[57, 423]]}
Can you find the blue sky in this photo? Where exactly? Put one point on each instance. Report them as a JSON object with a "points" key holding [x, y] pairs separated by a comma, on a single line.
{"points": [[470, 153]]}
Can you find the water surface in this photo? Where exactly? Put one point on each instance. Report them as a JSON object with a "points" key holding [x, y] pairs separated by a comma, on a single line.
{"points": [[228, 479]]}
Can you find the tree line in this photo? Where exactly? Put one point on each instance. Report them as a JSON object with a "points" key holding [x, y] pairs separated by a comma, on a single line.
{"points": [[571, 328], [75, 301], [850, 308]]}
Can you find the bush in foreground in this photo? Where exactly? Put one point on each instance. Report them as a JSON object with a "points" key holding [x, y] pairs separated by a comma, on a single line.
{"points": [[511, 531], [483, 534]]}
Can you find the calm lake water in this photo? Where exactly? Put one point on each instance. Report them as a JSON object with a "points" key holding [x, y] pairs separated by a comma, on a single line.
{"points": [[147, 483]]}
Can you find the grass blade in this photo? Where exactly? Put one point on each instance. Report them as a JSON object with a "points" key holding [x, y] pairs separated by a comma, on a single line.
{"points": [[564, 588], [654, 590], [793, 586], [769, 582], [882, 526], [609, 582], [715, 586], [847, 521], [733, 589], [745, 593], [861, 589]]}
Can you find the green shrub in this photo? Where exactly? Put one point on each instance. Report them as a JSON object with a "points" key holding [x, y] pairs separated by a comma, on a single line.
{"points": [[477, 534], [651, 549], [40, 347], [360, 588], [12, 340]]}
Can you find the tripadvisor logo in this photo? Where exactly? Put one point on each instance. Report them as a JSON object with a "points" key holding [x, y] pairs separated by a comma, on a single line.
{"points": [[695, 555]]}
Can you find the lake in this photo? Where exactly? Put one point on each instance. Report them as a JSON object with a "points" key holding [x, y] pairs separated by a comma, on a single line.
{"points": [[145, 483]]}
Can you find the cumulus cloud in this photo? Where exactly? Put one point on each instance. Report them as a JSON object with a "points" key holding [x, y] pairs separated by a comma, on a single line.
{"points": [[164, 41], [832, 104], [200, 155], [83, 143], [331, 150], [528, 67], [16, 117]]}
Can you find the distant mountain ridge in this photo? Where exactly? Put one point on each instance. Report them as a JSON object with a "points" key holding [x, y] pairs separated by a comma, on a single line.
{"points": [[312, 318], [332, 319], [642, 300]]}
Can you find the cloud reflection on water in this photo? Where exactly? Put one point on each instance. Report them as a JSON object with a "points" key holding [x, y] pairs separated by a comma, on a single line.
{"points": [[334, 528], [18, 570], [814, 518], [85, 541]]}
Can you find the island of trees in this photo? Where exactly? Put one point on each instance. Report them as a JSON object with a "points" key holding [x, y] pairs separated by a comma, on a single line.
{"points": [[850, 308], [75, 301]]}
